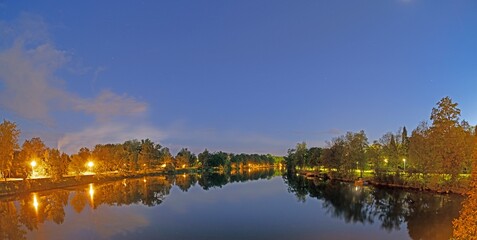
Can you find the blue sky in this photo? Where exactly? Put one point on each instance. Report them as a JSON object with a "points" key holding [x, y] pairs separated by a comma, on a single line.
{"points": [[240, 76]]}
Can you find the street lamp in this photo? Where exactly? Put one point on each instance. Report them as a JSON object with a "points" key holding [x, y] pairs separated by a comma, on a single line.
{"points": [[404, 160], [90, 165], [33, 164], [386, 160]]}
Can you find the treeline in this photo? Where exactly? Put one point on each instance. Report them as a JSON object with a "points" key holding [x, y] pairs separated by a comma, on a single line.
{"points": [[441, 151], [34, 158]]}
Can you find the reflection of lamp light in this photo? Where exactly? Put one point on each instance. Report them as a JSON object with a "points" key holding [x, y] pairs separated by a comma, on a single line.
{"points": [[91, 191], [35, 202], [183, 165]]}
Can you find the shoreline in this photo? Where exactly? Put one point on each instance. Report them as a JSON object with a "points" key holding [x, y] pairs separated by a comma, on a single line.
{"points": [[451, 190], [23, 187]]}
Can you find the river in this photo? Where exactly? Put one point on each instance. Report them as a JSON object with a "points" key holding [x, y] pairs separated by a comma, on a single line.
{"points": [[249, 205]]}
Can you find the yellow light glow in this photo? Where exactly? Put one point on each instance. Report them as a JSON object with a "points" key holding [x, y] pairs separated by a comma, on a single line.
{"points": [[90, 164], [386, 160], [91, 191], [144, 180], [183, 175], [404, 160], [183, 165], [33, 163], [163, 165], [35, 202]]}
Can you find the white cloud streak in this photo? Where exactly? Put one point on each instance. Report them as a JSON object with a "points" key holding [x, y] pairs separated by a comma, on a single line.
{"points": [[29, 87], [110, 132]]}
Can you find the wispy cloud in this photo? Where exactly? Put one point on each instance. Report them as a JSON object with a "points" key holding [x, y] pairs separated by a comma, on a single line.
{"points": [[108, 132], [108, 104], [30, 88]]}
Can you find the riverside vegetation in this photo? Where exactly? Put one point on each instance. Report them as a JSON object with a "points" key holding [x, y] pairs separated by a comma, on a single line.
{"points": [[438, 156]]}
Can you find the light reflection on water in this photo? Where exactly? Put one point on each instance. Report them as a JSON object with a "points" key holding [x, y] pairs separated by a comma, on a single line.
{"points": [[237, 206]]}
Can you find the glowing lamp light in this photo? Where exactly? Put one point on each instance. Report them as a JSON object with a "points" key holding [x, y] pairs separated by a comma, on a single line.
{"points": [[183, 165], [33, 163], [163, 165], [90, 164]]}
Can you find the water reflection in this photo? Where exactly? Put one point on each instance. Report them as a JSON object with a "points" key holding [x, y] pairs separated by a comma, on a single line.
{"points": [[35, 203], [427, 216], [28, 213], [422, 215]]}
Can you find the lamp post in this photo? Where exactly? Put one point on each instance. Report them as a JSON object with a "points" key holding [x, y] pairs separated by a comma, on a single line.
{"points": [[33, 164], [404, 160]]}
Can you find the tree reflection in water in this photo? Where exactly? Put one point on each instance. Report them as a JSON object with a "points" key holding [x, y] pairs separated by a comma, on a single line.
{"points": [[428, 216], [28, 213]]}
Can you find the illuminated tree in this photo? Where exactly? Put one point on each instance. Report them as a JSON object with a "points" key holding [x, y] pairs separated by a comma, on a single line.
{"points": [[465, 226], [149, 155], [80, 160], [56, 164], [32, 151], [8, 144], [184, 158]]}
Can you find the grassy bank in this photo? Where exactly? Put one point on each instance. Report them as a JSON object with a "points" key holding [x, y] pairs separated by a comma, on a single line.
{"points": [[430, 183]]}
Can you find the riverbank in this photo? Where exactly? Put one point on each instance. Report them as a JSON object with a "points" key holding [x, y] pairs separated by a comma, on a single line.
{"points": [[11, 188], [408, 183]]}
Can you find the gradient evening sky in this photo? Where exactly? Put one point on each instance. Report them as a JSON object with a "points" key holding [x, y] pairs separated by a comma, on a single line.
{"points": [[239, 76]]}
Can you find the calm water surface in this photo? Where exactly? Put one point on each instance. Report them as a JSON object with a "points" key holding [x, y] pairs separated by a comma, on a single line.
{"points": [[256, 205]]}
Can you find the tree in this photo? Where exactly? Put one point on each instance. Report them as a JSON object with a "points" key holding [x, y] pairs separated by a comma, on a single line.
{"points": [[375, 158], [446, 114], [314, 156], [80, 160], [166, 158], [355, 151], [449, 137], [465, 226], [32, 150], [132, 149], [390, 150], [149, 154], [8, 144], [57, 163], [333, 156], [301, 154], [421, 150], [204, 158], [184, 158]]}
